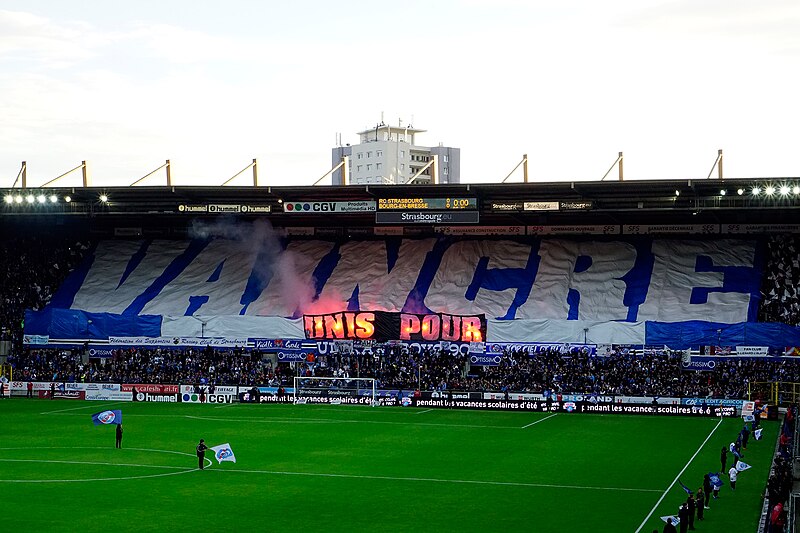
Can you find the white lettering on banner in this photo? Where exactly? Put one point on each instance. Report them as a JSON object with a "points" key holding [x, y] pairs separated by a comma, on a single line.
{"points": [[223, 295], [640, 229], [501, 254], [293, 275], [760, 228], [219, 342], [480, 230], [372, 278], [108, 270], [674, 277], [608, 229], [752, 350]]}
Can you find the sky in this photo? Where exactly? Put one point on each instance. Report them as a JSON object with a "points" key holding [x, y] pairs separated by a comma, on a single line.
{"points": [[211, 85]]}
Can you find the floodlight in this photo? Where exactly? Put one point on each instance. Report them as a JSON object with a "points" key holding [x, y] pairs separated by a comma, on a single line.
{"points": [[103, 198], [756, 191], [68, 199], [41, 198], [784, 190], [723, 192], [30, 199], [8, 199], [18, 199], [796, 189], [53, 199], [677, 192], [740, 191], [770, 190]]}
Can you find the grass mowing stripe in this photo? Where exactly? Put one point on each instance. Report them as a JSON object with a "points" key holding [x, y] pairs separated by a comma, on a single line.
{"points": [[677, 477], [540, 420], [434, 480]]}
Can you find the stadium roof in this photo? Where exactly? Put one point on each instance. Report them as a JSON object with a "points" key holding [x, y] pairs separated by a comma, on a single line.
{"points": [[578, 202]]}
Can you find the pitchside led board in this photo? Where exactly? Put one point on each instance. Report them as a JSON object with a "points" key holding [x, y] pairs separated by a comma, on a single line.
{"points": [[383, 326], [427, 211]]}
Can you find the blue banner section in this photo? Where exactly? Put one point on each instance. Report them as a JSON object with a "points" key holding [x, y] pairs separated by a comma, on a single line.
{"points": [[293, 356], [685, 335], [74, 324], [281, 344], [484, 359], [700, 363]]}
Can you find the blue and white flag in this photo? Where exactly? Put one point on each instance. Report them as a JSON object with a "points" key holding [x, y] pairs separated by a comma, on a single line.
{"points": [[223, 452], [675, 519], [749, 418], [736, 454], [684, 487], [107, 417], [716, 481], [757, 433], [741, 466]]}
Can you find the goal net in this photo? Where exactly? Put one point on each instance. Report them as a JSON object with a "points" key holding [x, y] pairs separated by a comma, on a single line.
{"points": [[336, 391]]}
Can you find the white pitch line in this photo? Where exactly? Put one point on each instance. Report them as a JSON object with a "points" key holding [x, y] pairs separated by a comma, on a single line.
{"points": [[433, 480], [540, 420], [78, 408], [425, 411], [677, 477], [179, 469], [88, 463]]}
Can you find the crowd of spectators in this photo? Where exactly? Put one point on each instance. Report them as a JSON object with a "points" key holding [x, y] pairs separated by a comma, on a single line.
{"points": [[620, 374], [780, 296], [779, 485], [31, 270], [138, 365]]}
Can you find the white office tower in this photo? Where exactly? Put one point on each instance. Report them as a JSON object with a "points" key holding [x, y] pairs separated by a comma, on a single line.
{"points": [[390, 155]]}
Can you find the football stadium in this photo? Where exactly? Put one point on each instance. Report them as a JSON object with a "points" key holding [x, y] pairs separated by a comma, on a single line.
{"points": [[565, 356]]}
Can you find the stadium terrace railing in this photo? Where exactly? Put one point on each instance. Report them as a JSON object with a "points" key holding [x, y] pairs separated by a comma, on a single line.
{"points": [[781, 393]]}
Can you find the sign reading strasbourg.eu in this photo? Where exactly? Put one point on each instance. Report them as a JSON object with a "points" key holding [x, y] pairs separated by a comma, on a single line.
{"points": [[384, 326]]}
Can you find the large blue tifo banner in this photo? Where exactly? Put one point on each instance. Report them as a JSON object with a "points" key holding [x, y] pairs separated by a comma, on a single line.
{"points": [[261, 286]]}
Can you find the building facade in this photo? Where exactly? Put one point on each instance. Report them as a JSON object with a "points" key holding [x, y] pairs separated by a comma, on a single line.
{"points": [[389, 155]]}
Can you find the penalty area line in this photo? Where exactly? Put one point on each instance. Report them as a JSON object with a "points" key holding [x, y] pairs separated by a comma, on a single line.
{"points": [[433, 480], [78, 408], [537, 421], [646, 518]]}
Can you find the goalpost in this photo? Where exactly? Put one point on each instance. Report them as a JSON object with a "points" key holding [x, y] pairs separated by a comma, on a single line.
{"points": [[336, 391]]}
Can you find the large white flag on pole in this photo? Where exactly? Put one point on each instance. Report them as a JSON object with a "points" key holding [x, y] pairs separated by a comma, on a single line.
{"points": [[223, 452]]}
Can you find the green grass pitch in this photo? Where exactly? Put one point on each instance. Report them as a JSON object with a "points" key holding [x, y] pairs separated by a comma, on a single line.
{"points": [[351, 468]]}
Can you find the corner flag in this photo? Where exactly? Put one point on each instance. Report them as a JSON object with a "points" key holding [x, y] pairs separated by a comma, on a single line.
{"points": [[223, 452], [107, 417]]}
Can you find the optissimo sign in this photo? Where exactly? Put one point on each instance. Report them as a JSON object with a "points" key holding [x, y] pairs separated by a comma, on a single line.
{"points": [[385, 326]]}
